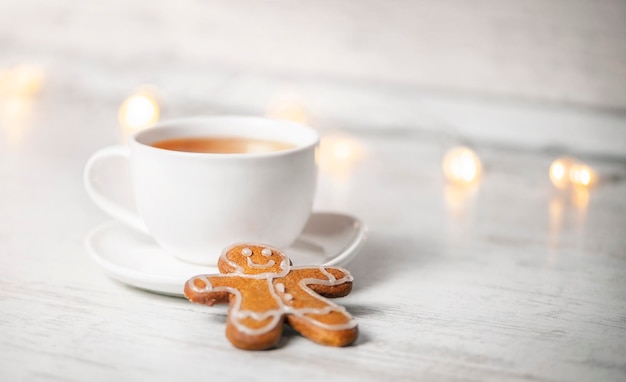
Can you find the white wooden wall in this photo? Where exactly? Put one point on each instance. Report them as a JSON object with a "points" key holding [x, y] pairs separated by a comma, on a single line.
{"points": [[530, 73], [556, 50]]}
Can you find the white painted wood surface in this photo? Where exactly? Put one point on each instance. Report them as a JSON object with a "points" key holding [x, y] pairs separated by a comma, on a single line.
{"points": [[510, 281], [568, 51], [524, 74], [513, 281]]}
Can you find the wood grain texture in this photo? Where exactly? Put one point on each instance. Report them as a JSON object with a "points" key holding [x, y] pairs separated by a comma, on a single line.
{"points": [[529, 74], [509, 281], [564, 51], [513, 281]]}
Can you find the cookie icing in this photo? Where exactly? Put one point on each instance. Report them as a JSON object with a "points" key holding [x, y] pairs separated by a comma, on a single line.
{"points": [[288, 290]]}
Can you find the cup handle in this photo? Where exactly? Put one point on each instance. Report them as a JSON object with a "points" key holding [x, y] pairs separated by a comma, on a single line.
{"points": [[103, 201]]}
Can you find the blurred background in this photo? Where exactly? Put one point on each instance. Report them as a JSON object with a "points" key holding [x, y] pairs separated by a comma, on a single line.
{"points": [[539, 74]]}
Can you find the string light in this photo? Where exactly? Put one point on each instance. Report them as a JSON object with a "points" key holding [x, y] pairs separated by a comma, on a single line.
{"points": [[140, 110], [288, 107], [461, 165], [565, 172], [559, 172], [581, 175], [18, 87], [337, 154], [21, 81]]}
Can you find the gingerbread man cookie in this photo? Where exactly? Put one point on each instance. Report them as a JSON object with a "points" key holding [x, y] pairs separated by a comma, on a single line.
{"points": [[264, 290]]}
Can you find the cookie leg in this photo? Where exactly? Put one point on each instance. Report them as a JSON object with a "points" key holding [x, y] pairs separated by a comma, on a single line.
{"points": [[252, 334], [336, 328]]}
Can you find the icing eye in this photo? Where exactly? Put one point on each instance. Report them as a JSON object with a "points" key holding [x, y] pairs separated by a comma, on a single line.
{"points": [[246, 252], [266, 252]]}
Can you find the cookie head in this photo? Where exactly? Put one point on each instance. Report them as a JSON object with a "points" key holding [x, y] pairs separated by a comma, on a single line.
{"points": [[253, 259]]}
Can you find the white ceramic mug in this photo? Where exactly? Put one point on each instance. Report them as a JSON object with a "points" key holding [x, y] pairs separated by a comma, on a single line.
{"points": [[195, 204]]}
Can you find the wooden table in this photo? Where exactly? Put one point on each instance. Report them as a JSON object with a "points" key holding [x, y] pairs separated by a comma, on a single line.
{"points": [[510, 280]]}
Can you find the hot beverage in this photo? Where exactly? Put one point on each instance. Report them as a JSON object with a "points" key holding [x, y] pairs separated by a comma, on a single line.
{"points": [[222, 145]]}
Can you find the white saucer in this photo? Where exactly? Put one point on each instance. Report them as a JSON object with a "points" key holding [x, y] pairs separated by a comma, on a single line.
{"points": [[135, 259]]}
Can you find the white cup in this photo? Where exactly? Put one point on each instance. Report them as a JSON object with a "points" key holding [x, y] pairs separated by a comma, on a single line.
{"points": [[195, 204]]}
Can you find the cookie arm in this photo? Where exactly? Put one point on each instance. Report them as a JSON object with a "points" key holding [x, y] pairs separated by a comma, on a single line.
{"points": [[209, 289], [326, 281]]}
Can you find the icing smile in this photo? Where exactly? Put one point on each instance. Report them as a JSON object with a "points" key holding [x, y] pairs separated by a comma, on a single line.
{"points": [[254, 265]]}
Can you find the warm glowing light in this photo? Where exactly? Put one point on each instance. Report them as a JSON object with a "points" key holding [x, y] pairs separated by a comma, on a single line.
{"points": [[581, 175], [337, 154], [21, 81], [344, 150], [27, 80], [580, 198], [139, 111], [565, 172], [559, 172], [18, 86], [461, 165], [459, 199], [289, 108]]}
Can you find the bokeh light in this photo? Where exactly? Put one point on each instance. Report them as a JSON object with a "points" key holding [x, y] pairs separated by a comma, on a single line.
{"points": [[338, 153], [461, 165], [21, 81], [288, 107], [19, 86], [139, 111], [559, 172], [581, 175], [565, 172]]}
